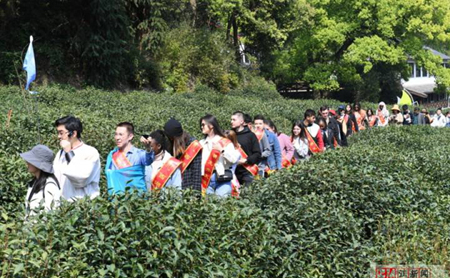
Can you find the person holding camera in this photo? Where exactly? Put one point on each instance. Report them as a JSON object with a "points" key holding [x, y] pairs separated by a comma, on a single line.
{"points": [[219, 158], [77, 165], [408, 117], [397, 117]]}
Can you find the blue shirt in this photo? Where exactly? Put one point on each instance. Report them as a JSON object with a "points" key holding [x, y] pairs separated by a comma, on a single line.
{"points": [[274, 159], [136, 157]]}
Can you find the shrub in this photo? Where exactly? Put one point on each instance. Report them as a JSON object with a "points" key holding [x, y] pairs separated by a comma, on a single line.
{"points": [[383, 199]]}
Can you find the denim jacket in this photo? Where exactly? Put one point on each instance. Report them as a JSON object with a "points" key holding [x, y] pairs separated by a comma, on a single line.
{"points": [[274, 160]]}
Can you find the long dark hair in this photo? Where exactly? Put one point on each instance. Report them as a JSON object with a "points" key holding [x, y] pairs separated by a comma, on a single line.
{"points": [[178, 145], [211, 120], [231, 135], [272, 126], [38, 184], [302, 130]]}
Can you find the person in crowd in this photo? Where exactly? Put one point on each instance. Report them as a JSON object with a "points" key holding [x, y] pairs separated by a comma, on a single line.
{"points": [[77, 165], [382, 115], [360, 115], [350, 121], [44, 189], [397, 117], [427, 120], [448, 119], [313, 134], [371, 118], [249, 148], [125, 164], [439, 120], [219, 157], [287, 149], [300, 142], [248, 121], [418, 116], [274, 158], [264, 144], [327, 134], [340, 116], [235, 185], [165, 170], [332, 127], [408, 117], [188, 150]]}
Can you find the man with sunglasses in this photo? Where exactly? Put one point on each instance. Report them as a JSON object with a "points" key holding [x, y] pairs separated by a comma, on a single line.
{"points": [[76, 165]]}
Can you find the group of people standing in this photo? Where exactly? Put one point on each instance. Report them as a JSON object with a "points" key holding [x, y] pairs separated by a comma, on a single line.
{"points": [[217, 164]]}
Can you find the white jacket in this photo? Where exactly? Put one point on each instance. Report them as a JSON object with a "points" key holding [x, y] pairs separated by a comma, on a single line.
{"points": [[49, 197], [227, 159], [80, 177], [439, 121], [301, 147]]}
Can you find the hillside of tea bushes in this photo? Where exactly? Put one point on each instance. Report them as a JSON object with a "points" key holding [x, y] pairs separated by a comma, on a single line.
{"points": [[385, 199]]}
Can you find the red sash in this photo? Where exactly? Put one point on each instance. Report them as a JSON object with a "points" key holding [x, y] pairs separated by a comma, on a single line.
{"points": [[381, 117], [359, 119], [372, 122], [120, 160], [211, 163], [312, 144], [293, 161], [285, 162], [253, 169], [259, 135], [189, 154], [235, 188], [165, 173]]}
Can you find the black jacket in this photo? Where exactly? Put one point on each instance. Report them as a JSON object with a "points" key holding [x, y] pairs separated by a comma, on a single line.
{"points": [[249, 143], [352, 122], [334, 130]]}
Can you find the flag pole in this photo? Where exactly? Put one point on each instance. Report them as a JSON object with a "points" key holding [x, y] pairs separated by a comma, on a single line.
{"points": [[29, 65]]}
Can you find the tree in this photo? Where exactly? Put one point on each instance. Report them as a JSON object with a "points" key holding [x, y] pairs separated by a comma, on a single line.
{"points": [[348, 40]]}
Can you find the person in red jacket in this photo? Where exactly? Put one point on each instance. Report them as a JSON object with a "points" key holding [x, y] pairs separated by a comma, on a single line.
{"points": [[313, 134]]}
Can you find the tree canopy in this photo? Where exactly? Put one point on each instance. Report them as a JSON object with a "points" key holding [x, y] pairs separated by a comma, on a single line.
{"points": [[355, 47]]}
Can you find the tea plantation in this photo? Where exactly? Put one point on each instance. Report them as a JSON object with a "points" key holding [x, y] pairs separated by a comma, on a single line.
{"points": [[384, 200]]}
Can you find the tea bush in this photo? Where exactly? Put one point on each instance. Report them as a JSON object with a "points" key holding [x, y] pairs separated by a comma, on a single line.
{"points": [[384, 199]]}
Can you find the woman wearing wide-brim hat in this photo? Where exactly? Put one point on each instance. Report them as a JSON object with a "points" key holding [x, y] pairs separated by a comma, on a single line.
{"points": [[44, 189], [397, 117]]}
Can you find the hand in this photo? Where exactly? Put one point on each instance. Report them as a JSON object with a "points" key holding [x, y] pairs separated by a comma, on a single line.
{"points": [[242, 161], [65, 145], [147, 142]]}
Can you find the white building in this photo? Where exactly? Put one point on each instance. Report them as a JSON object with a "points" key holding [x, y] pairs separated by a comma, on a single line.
{"points": [[421, 84]]}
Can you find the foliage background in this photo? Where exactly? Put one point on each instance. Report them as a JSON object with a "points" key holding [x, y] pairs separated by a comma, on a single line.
{"points": [[350, 50], [384, 199]]}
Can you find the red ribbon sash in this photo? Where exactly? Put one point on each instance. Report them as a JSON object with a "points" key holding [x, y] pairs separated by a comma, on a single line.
{"points": [[381, 117], [189, 154], [359, 119], [165, 173], [211, 163], [285, 162], [259, 135], [312, 144], [120, 160], [253, 169]]}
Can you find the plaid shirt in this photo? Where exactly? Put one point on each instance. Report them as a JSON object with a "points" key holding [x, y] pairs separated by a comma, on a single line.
{"points": [[192, 176]]}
